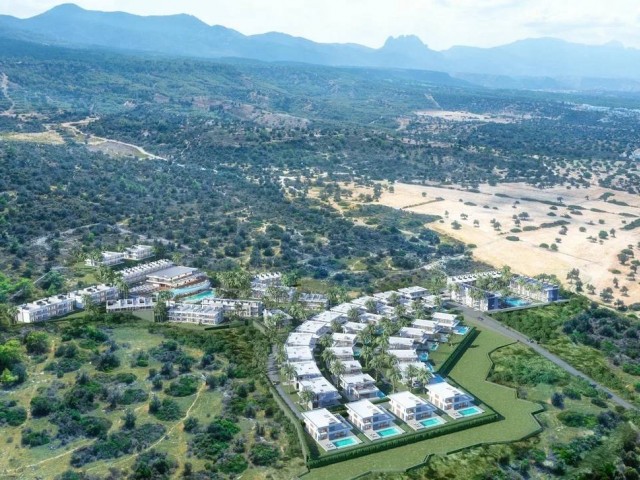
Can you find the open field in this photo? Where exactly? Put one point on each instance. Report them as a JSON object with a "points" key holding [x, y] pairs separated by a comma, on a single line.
{"points": [[594, 259], [50, 137], [470, 372]]}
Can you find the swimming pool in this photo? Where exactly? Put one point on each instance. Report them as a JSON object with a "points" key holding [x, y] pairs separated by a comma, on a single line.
{"points": [[389, 432], [424, 357], [200, 296], [467, 412], [461, 330], [199, 287], [345, 442], [510, 302], [380, 394], [431, 422]]}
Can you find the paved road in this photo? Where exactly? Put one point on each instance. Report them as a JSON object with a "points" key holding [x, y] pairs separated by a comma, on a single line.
{"points": [[274, 377], [483, 320]]}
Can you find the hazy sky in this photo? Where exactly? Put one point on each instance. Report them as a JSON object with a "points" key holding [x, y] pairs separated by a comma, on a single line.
{"points": [[439, 23]]}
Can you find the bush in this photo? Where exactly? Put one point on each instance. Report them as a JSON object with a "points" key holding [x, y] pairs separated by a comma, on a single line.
{"points": [[512, 238], [37, 343], [232, 463], [43, 406], [577, 420], [167, 410], [153, 465], [133, 395], [264, 454], [107, 361], [31, 438], [11, 413], [183, 387]]}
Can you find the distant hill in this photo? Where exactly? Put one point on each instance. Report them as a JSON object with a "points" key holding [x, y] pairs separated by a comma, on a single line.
{"points": [[185, 35]]}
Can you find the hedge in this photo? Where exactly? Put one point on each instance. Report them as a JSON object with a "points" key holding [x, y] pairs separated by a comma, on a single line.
{"points": [[403, 440], [448, 364]]}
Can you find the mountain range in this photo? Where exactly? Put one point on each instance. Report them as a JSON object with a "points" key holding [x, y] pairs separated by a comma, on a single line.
{"points": [[542, 63]]}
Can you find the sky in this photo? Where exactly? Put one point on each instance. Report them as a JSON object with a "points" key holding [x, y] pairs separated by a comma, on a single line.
{"points": [[439, 23]]}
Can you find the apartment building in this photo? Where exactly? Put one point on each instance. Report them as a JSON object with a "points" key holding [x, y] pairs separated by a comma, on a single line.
{"points": [[99, 294], [195, 314], [131, 304], [138, 274], [242, 308], [45, 309]]}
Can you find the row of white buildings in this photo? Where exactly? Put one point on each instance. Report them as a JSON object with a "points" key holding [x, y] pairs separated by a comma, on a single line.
{"points": [[135, 253]]}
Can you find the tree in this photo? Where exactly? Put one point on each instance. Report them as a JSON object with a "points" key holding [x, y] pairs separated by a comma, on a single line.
{"points": [[129, 419], [122, 286], [394, 375], [160, 311], [8, 314], [603, 235], [37, 342], [353, 315], [288, 372], [328, 356], [337, 368], [371, 306], [290, 279], [234, 283], [366, 353], [606, 294], [412, 374], [307, 397]]}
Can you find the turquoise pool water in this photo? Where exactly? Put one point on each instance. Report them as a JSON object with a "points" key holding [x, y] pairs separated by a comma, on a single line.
{"points": [[389, 432], [345, 442], [461, 330], [467, 412], [515, 302], [431, 422], [424, 356], [433, 347], [200, 296], [380, 395]]}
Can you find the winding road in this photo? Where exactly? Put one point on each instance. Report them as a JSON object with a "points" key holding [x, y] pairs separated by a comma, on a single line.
{"points": [[484, 321]]}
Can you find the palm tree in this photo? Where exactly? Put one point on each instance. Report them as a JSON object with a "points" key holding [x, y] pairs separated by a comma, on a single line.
{"points": [[366, 353], [424, 376], [371, 306], [388, 327], [394, 375], [328, 356], [382, 342], [353, 314], [280, 355], [337, 368], [326, 341], [364, 336], [288, 372], [336, 327], [307, 397], [122, 286], [378, 363], [412, 374]]}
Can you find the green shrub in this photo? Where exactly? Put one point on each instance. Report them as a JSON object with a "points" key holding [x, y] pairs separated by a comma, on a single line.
{"points": [[11, 413], [133, 395], [264, 454], [167, 410], [183, 387], [577, 419], [31, 438]]}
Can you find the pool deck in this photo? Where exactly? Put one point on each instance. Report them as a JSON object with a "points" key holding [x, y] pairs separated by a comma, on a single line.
{"points": [[416, 425], [455, 414], [373, 434], [328, 445]]}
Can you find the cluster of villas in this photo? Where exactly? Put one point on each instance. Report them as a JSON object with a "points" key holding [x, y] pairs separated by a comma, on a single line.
{"points": [[525, 291], [400, 413], [353, 385], [264, 282]]}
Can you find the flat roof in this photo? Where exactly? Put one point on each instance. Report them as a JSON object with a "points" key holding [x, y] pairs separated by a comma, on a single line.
{"points": [[445, 390], [354, 326], [306, 368], [357, 378], [342, 351], [296, 351], [444, 316], [345, 307], [352, 364], [311, 326], [401, 340], [407, 399], [318, 385], [327, 316], [344, 337], [171, 272], [403, 354], [411, 331], [414, 289], [364, 408], [304, 339], [320, 418]]}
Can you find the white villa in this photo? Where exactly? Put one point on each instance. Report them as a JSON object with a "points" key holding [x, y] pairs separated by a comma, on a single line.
{"points": [[314, 301], [367, 416], [417, 334], [298, 354], [345, 308], [196, 314], [316, 328], [431, 327], [108, 259], [407, 406], [342, 353], [359, 386], [304, 371], [267, 279], [302, 339], [329, 316], [324, 393], [321, 424], [447, 397], [353, 327], [401, 343], [404, 356], [352, 367], [373, 318], [447, 321], [344, 339], [413, 293]]}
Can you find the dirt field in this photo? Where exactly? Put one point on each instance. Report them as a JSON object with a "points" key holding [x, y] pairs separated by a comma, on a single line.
{"points": [[595, 260], [49, 137]]}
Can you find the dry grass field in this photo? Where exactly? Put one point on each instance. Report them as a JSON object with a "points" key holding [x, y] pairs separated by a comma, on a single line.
{"points": [[597, 260]]}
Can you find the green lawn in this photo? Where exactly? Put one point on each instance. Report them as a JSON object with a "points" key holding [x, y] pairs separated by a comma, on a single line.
{"points": [[470, 372]]}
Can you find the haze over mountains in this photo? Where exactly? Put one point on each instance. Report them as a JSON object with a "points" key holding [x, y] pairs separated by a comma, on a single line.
{"points": [[543, 63]]}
